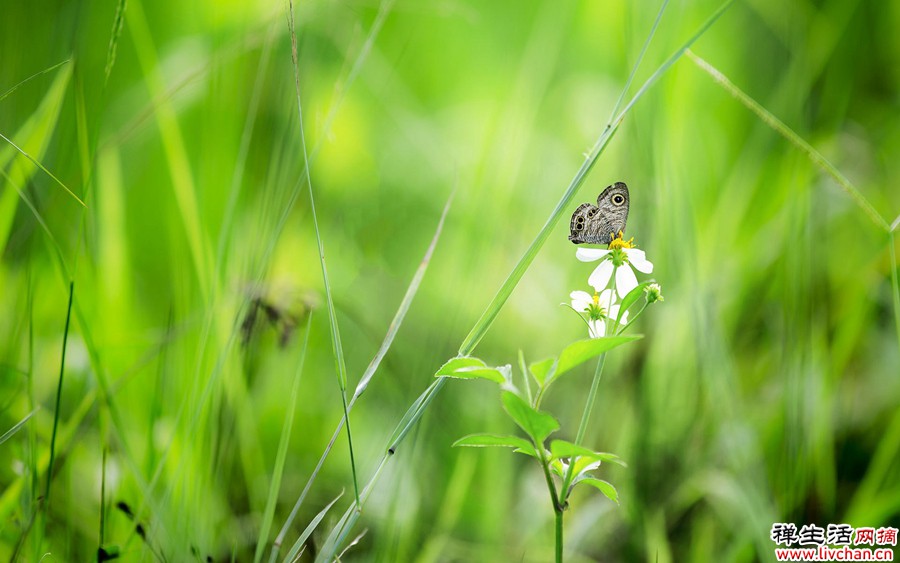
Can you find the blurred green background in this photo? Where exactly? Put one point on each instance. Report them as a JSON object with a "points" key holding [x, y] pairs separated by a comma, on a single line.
{"points": [[766, 388]]}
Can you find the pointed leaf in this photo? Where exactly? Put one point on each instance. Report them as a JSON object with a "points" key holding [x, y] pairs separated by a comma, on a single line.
{"points": [[454, 364], [477, 372], [529, 452], [535, 423], [631, 299], [540, 370], [301, 541], [562, 448], [489, 440], [583, 350], [604, 487]]}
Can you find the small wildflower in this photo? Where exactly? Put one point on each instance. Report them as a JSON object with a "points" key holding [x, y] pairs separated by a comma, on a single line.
{"points": [[654, 293], [620, 257], [599, 307]]}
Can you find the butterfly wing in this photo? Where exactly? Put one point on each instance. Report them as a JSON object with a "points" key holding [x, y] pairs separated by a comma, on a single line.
{"points": [[613, 204], [599, 224], [579, 222]]}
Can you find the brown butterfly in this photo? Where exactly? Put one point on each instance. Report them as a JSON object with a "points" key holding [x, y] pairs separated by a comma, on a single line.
{"points": [[601, 223]]}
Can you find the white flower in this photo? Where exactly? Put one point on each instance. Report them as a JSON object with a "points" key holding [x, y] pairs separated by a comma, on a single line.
{"points": [[599, 307], [625, 278]]}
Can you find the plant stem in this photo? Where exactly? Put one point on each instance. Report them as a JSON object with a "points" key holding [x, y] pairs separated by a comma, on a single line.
{"points": [[554, 497], [559, 536], [582, 427]]}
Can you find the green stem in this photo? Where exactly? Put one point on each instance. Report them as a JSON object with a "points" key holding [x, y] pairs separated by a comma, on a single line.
{"points": [[559, 536], [633, 318], [554, 497], [524, 368], [582, 427]]}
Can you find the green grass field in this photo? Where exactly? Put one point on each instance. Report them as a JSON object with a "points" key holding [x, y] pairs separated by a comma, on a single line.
{"points": [[173, 363]]}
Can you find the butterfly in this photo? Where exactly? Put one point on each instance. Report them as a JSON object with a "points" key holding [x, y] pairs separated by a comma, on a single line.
{"points": [[601, 223]]}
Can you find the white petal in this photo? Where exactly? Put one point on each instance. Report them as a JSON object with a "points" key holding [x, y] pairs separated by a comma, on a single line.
{"points": [[624, 319], [600, 276], [625, 280], [581, 300], [606, 298], [596, 328], [590, 254], [638, 259]]}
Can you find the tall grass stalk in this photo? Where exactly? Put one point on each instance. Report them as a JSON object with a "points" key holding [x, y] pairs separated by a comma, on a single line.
{"points": [[59, 389], [337, 347], [412, 415]]}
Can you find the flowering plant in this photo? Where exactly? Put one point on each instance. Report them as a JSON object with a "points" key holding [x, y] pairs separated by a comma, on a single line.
{"points": [[607, 315]]}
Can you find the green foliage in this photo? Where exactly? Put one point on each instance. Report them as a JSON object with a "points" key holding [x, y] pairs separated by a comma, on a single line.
{"points": [[538, 425], [160, 167]]}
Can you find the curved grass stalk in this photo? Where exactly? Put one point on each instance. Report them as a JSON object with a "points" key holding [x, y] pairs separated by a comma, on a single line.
{"points": [[795, 139]]}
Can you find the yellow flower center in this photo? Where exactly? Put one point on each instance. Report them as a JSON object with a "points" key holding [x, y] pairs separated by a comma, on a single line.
{"points": [[596, 299], [620, 242]]}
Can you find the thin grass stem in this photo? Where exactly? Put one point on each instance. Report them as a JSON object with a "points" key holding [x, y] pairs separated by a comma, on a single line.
{"points": [[336, 345], [795, 139], [59, 388]]}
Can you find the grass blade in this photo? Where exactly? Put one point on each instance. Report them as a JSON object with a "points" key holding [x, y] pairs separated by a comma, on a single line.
{"points": [[32, 77], [789, 134], [118, 21], [640, 58], [16, 427], [42, 167], [179, 164], [336, 345], [280, 457], [295, 549], [59, 387], [370, 371], [404, 305]]}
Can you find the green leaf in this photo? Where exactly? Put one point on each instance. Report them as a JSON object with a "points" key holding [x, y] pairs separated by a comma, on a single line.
{"points": [[33, 138], [556, 466], [604, 487], [562, 448], [540, 369], [529, 452], [583, 463], [610, 458], [473, 368], [478, 372], [493, 440], [535, 423], [631, 299], [583, 350], [458, 363]]}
